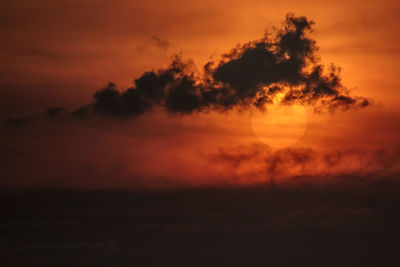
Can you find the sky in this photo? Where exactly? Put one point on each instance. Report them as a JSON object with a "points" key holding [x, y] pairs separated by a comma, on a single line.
{"points": [[58, 54], [199, 133]]}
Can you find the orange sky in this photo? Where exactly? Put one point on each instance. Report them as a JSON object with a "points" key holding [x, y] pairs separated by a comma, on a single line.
{"points": [[56, 51], [60, 52]]}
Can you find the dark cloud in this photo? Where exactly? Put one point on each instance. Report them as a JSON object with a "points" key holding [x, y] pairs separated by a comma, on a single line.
{"points": [[291, 162], [250, 67], [162, 43], [173, 87], [50, 113], [55, 111], [250, 75], [18, 121]]}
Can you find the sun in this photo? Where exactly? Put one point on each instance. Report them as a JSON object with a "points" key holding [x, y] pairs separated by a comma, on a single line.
{"points": [[279, 126]]}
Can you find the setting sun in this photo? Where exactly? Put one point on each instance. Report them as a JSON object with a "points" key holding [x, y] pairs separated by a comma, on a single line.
{"points": [[279, 126]]}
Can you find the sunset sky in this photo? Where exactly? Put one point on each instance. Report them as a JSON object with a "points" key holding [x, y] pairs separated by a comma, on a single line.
{"points": [[57, 54], [199, 133]]}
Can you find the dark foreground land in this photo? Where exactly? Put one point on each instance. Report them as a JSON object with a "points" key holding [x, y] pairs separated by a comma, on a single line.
{"points": [[303, 225]]}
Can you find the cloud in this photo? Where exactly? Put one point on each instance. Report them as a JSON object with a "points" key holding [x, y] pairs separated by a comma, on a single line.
{"points": [[159, 151], [159, 42], [288, 163], [251, 75], [55, 111], [50, 113], [18, 121]]}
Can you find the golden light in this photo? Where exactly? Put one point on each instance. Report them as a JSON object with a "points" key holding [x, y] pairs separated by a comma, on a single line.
{"points": [[279, 126]]}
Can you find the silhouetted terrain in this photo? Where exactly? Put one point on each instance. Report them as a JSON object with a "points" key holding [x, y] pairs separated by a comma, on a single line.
{"points": [[345, 224]]}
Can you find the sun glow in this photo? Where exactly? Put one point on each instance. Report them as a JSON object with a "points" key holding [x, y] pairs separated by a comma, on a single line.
{"points": [[279, 125]]}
